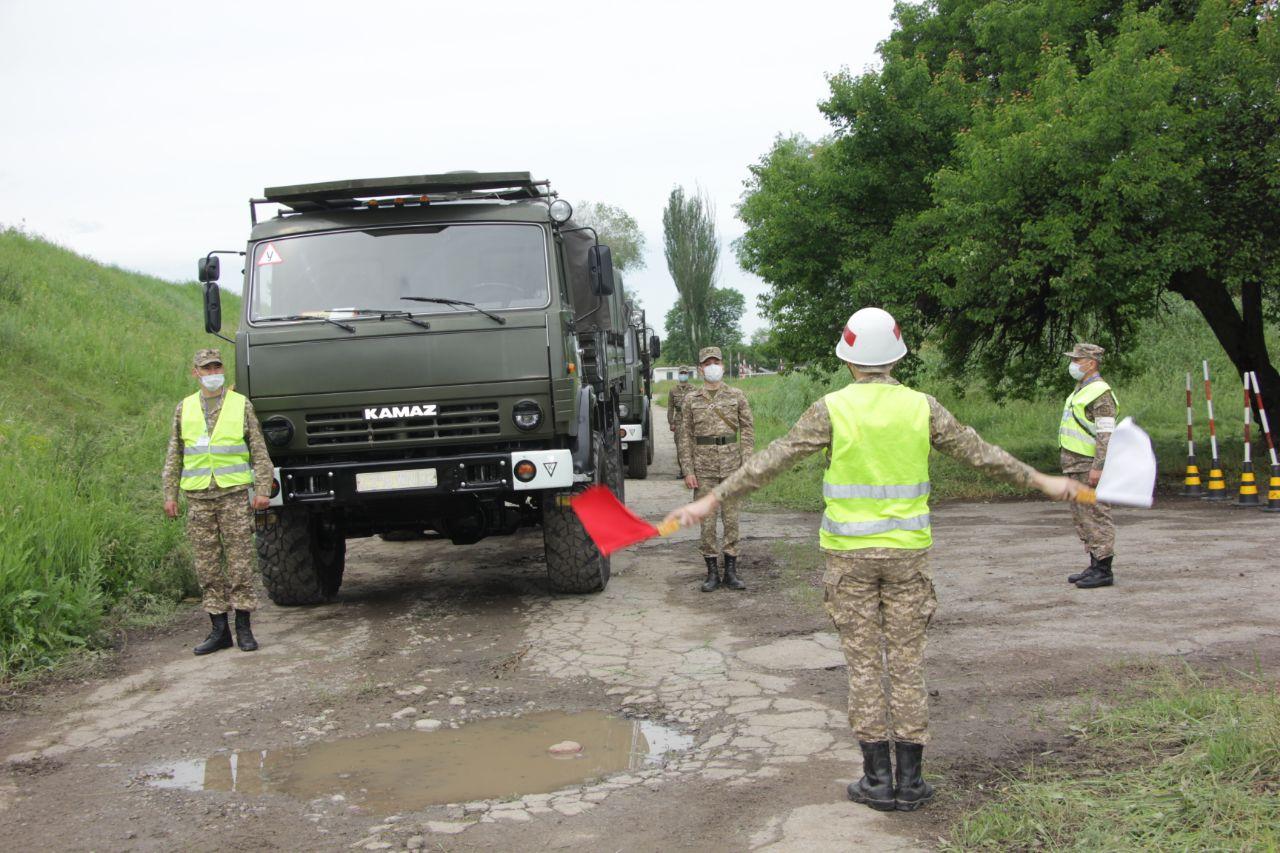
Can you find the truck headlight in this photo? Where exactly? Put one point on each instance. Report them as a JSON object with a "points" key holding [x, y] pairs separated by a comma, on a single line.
{"points": [[623, 410], [278, 431], [527, 415]]}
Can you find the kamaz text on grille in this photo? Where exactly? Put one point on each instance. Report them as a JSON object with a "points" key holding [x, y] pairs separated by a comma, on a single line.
{"points": [[426, 410]]}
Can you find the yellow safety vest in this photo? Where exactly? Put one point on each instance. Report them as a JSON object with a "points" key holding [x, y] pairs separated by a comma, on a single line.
{"points": [[877, 485], [1076, 432], [221, 458]]}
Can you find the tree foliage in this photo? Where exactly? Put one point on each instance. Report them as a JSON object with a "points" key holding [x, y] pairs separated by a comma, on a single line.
{"points": [[617, 229], [725, 308], [693, 252], [1020, 173]]}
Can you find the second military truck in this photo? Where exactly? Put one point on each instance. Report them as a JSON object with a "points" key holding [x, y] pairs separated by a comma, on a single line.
{"points": [[441, 352]]}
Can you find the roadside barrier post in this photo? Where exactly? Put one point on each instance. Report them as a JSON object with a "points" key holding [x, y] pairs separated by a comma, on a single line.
{"points": [[1191, 487], [1217, 486], [1248, 493], [1273, 487]]}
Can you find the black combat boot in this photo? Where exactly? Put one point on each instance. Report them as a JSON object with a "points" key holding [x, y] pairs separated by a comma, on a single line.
{"points": [[731, 578], [1093, 561], [713, 575], [912, 791], [244, 636], [1099, 575], [219, 637], [875, 788]]}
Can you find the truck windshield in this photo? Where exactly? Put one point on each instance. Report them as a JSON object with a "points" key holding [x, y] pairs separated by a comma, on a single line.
{"points": [[495, 266]]}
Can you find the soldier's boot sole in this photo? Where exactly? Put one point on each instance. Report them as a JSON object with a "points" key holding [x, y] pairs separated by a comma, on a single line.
{"points": [[910, 801], [217, 644], [881, 801], [1095, 581]]}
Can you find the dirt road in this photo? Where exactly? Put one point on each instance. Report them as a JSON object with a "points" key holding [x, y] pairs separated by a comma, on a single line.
{"points": [[724, 712]]}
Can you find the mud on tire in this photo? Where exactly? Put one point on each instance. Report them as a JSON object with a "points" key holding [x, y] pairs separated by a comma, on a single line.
{"points": [[300, 557], [574, 564]]}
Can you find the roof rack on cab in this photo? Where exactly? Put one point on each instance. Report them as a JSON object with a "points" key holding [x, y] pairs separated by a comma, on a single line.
{"points": [[406, 191]]}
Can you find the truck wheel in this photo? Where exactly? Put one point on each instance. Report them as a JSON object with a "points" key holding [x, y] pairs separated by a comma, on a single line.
{"points": [[574, 564], [301, 558], [638, 460], [614, 474]]}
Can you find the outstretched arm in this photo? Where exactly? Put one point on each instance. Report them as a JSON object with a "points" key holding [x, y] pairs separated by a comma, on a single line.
{"points": [[810, 434]]}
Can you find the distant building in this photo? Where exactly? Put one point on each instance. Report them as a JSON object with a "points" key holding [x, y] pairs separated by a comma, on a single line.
{"points": [[665, 372]]}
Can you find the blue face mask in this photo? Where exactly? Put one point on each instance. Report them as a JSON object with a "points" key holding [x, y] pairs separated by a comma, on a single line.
{"points": [[213, 381], [684, 377]]}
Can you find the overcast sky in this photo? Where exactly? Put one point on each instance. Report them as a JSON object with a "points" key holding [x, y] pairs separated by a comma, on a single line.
{"points": [[135, 132]]}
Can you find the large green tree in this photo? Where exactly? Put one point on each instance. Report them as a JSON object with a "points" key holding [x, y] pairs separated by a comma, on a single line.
{"points": [[693, 253], [617, 229], [1018, 173], [725, 308]]}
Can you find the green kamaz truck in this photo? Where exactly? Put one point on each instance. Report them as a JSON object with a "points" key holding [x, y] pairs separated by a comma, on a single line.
{"points": [[641, 348], [438, 352]]}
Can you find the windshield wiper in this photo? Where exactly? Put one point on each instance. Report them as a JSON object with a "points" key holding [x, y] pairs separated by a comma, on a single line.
{"points": [[315, 316], [384, 313], [455, 302]]}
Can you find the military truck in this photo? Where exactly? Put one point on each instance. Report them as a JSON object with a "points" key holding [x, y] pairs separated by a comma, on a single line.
{"points": [[438, 352], [634, 408]]}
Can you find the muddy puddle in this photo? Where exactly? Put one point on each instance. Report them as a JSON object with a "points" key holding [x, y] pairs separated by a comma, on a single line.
{"points": [[397, 771]]}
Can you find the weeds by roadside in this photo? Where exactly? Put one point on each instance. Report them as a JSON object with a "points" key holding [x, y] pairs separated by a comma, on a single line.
{"points": [[1177, 762]]}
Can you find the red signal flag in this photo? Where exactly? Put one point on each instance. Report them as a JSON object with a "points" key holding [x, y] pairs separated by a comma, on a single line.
{"points": [[609, 523]]}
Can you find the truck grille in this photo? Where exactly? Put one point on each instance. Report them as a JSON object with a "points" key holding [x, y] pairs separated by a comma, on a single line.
{"points": [[347, 429]]}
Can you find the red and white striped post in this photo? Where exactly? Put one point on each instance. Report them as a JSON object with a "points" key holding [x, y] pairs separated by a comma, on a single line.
{"points": [[1248, 493], [1273, 487], [1217, 486], [1191, 487]]}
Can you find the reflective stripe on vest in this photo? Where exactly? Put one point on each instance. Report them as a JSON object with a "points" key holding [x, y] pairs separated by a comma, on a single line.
{"points": [[222, 458], [877, 485], [1075, 431]]}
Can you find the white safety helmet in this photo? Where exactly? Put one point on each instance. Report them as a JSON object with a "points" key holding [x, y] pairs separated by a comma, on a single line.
{"points": [[871, 338]]}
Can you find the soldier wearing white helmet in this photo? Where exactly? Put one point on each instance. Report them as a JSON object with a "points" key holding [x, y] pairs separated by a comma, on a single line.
{"points": [[876, 537]]}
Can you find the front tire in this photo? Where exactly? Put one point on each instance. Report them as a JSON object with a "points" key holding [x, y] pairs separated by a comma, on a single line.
{"points": [[638, 460], [574, 563], [301, 557]]}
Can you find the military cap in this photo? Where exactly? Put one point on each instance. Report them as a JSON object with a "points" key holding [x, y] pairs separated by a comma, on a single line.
{"points": [[709, 352], [1083, 350], [207, 356]]}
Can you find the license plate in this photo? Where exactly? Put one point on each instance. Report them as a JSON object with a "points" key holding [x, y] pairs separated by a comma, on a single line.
{"points": [[389, 481]]}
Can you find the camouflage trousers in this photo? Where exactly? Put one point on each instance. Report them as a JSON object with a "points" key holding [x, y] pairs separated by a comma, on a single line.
{"points": [[219, 528], [881, 601], [728, 514], [1093, 523]]}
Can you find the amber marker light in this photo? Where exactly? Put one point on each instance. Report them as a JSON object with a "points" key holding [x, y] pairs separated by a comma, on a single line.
{"points": [[525, 470]]}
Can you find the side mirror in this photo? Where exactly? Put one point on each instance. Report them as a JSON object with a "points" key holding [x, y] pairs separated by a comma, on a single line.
{"points": [[212, 306], [600, 266], [655, 347], [209, 269]]}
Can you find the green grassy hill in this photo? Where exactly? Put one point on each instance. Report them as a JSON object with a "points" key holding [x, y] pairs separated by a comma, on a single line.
{"points": [[92, 361], [1152, 390]]}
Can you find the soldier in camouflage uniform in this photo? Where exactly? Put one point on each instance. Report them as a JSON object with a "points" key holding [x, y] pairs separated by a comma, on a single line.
{"points": [[716, 434], [876, 538], [675, 400], [1088, 419], [213, 460]]}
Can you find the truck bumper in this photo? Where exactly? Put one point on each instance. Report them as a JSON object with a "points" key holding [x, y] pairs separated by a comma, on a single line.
{"points": [[348, 483]]}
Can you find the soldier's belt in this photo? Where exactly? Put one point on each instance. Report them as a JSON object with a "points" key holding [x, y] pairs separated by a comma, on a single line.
{"points": [[717, 439]]}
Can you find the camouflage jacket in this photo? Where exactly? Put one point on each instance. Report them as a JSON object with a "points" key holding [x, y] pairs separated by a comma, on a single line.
{"points": [[707, 413], [813, 433], [675, 400], [259, 456], [1103, 407]]}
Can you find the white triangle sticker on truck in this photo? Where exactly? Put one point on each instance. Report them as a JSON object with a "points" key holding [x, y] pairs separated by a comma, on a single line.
{"points": [[551, 468], [269, 256]]}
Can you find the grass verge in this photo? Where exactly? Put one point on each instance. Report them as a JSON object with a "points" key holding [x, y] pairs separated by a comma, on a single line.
{"points": [[1176, 763]]}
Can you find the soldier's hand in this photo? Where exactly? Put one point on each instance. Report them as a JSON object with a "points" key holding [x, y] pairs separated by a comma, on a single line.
{"points": [[171, 509], [260, 502], [1095, 474], [672, 427], [691, 514], [1058, 488], [691, 482]]}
